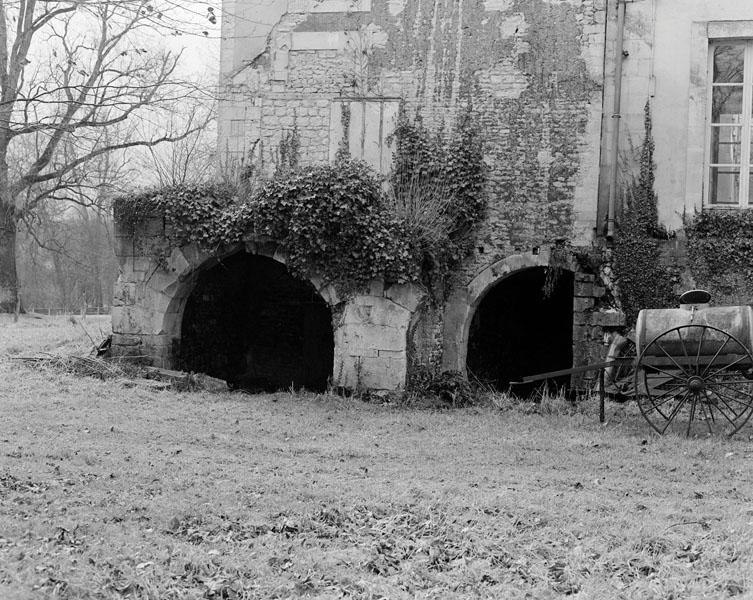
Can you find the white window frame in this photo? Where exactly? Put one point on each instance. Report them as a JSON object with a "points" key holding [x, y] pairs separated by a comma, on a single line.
{"points": [[746, 124]]}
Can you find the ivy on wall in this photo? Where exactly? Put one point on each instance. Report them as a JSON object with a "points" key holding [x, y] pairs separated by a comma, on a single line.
{"points": [[720, 252], [332, 221], [336, 221], [643, 282], [288, 151], [191, 213], [438, 189]]}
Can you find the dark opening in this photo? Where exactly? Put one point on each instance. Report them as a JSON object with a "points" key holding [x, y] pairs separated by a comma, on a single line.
{"points": [[250, 322], [519, 330]]}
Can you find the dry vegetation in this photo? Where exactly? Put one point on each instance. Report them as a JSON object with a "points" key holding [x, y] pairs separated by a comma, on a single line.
{"points": [[110, 489]]}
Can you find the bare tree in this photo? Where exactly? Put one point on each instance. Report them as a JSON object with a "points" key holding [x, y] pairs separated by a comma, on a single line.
{"points": [[67, 253], [79, 79], [190, 160]]}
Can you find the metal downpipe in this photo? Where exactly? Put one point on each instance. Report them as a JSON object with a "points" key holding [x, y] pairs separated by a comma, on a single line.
{"points": [[616, 116]]}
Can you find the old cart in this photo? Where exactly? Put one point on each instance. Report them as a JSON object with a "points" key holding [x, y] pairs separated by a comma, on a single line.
{"points": [[693, 368]]}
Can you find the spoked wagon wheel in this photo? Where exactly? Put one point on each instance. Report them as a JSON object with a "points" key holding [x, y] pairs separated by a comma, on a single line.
{"points": [[692, 380]]}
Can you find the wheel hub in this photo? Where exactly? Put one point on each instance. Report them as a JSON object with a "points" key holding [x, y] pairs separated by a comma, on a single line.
{"points": [[696, 384]]}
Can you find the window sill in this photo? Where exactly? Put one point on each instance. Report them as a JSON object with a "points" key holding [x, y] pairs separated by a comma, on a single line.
{"points": [[730, 208]]}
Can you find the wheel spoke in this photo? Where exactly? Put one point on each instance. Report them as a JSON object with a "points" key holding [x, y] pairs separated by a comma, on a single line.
{"points": [[665, 395], [692, 414], [724, 398], [665, 398], [709, 419], [674, 412], [725, 367], [670, 390], [718, 352], [724, 384], [655, 405], [667, 373], [698, 353], [682, 344], [711, 412], [669, 356], [724, 414], [718, 393]]}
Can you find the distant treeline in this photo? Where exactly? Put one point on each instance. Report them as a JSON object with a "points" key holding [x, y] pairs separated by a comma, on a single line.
{"points": [[66, 261]]}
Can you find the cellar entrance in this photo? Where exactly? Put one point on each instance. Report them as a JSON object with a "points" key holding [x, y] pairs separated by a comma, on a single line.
{"points": [[523, 326], [250, 322]]}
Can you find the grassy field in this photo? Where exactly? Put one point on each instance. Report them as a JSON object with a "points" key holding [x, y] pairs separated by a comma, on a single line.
{"points": [[110, 489]]}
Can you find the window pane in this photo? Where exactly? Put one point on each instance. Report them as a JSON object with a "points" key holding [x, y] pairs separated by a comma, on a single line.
{"points": [[724, 184], [728, 63], [727, 104], [725, 145]]}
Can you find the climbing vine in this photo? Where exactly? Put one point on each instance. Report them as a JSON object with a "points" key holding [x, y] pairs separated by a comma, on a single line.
{"points": [[331, 221], [343, 146], [288, 151], [336, 221], [643, 282], [438, 189], [191, 213], [720, 250]]}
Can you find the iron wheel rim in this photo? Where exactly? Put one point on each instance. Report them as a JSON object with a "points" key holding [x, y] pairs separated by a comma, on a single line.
{"points": [[693, 389]]}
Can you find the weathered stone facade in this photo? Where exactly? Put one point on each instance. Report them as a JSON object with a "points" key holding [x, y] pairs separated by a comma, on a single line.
{"points": [[531, 73], [531, 70]]}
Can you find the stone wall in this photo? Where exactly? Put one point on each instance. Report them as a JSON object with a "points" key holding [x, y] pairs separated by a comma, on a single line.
{"points": [[150, 297], [370, 337], [381, 336], [531, 73]]}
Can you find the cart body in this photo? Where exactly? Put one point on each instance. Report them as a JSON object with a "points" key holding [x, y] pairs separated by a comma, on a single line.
{"points": [[694, 366], [734, 320]]}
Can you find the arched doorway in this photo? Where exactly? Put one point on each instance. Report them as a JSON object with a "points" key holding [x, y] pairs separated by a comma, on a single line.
{"points": [[250, 322], [523, 326]]}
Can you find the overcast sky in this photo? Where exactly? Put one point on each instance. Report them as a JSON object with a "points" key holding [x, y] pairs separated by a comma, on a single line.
{"points": [[201, 52]]}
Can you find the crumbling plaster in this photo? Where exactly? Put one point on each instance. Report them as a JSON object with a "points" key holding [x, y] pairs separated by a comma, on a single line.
{"points": [[532, 71]]}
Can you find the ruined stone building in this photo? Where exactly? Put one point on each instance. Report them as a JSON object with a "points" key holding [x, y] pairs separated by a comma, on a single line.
{"points": [[540, 77]]}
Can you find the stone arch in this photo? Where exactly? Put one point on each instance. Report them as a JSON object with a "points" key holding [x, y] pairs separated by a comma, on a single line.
{"points": [[523, 326], [462, 305], [369, 328], [168, 290]]}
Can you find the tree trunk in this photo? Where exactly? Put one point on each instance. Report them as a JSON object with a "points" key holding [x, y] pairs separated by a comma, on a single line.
{"points": [[62, 281], [8, 277]]}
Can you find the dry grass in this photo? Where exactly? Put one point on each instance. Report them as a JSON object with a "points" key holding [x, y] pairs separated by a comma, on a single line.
{"points": [[56, 335], [110, 491]]}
